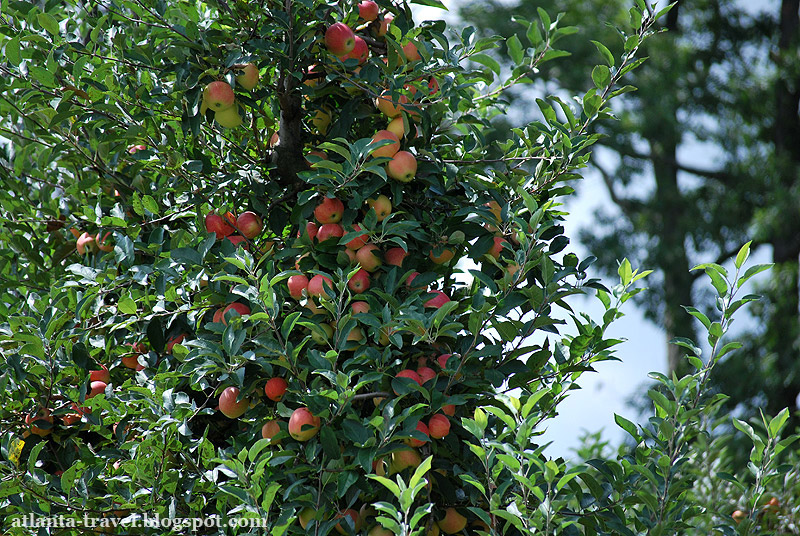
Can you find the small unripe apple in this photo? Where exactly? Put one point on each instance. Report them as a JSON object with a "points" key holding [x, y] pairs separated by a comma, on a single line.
{"points": [[452, 522], [229, 117], [305, 516], [404, 459], [249, 77], [382, 207], [359, 241], [402, 167], [217, 224], [412, 442], [438, 300], [378, 530], [270, 429], [275, 388], [228, 405], [439, 426], [218, 96], [397, 127], [239, 309], [249, 224], [360, 52], [101, 375], [322, 120], [330, 210], [339, 39], [368, 258], [359, 282], [316, 286], [297, 284], [303, 425], [329, 230], [368, 10], [388, 150], [322, 337], [389, 106]]}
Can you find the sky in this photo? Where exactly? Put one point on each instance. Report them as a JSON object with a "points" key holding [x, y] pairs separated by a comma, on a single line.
{"points": [[609, 390]]}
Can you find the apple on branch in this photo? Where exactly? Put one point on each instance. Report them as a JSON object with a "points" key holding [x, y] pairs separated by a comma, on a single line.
{"points": [[339, 39], [382, 207]]}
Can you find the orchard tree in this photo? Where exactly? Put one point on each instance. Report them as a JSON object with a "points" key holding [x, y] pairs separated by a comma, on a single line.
{"points": [[258, 265]]}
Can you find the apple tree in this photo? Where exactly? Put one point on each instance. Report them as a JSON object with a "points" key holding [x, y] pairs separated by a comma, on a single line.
{"points": [[259, 264]]}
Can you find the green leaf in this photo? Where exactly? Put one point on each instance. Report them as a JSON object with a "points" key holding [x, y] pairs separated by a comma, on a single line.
{"points": [[486, 60], [126, 305], [150, 204], [48, 22], [515, 49], [605, 53], [601, 75], [12, 51]]}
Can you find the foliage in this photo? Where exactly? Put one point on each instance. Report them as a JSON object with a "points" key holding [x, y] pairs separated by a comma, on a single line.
{"points": [[116, 141]]}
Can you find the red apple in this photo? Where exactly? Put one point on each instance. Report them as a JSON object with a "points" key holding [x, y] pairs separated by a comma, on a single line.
{"points": [[330, 230], [383, 27], [360, 52], [412, 442], [297, 284], [216, 224], [388, 150], [41, 416], [173, 341], [410, 51], [410, 279], [275, 388], [368, 10], [355, 335], [359, 307], [228, 405], [352, 514], [311, 229], [439, 426], [270, 429], [358, 241], [368, 258], [445, 256], [95, 388], [397, 127], [497, 247], [218, 96], [449, 409], [410, 374], [442, 360], [382, 207], [402, 167], [395, 256], [219, 316], [426, 374], [359, 282], [103, 243], [339, 39], [101, 375], [86, 242], [330, 210], [316, 286], [237, 240], [239, 309], [303, 425], [249, 224], [133, 149], [438, 300]]}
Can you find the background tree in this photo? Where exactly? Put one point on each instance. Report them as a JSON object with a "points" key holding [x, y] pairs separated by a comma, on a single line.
{"points": [[720, 79]]}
